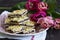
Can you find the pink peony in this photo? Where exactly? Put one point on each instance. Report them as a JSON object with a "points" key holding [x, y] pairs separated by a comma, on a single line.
{"points": [[57, 23], [33, 1], [45, 22], [37, 15], [32, 4], [29, 6], [42, 6]]}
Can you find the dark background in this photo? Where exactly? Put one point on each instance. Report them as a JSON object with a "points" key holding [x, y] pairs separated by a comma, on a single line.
{"points": [[52, 34]]}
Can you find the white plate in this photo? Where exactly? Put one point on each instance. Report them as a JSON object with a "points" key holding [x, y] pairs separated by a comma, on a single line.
{"points": [[3, 16], [13, 34]]}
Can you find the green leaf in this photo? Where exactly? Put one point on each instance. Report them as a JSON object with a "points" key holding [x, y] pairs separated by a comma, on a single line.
{"points": [[51, 8], [56, 15], [43, 0], [18, 6], [51, 5]]}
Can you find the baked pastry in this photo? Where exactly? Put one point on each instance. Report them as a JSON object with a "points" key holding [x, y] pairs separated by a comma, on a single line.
{"points": [[17, 16], [28, 30], [28, 22], [18, 13], [19, 29], [14, 28], [18, 21]]}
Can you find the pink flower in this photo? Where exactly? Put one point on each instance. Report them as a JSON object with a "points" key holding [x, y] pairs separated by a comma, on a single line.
{"points": [[29, 5], [57, 23], [37, 15], [33, 1], [42, 6], [32, 4], [45, 22]]}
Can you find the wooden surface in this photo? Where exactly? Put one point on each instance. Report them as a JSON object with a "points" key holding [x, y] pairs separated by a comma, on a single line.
{"points": [[52, 34], [9, 3]]}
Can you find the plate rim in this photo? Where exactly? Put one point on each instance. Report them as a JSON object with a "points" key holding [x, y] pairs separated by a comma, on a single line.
{"points": [[13, 34]]}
